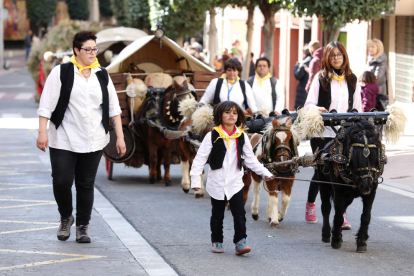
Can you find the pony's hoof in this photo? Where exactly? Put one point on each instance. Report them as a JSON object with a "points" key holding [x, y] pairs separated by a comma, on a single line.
{"points": [[199, 195], [152, 181], [274, 225], [281, 219], [159, 178], [361, 248], [168, 183], [255, 217], [186, 190], [326, 240], [336, 245]]}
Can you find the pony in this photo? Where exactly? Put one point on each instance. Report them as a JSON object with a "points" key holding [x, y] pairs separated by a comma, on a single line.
{"points": [[157, 113], [278, 143]]}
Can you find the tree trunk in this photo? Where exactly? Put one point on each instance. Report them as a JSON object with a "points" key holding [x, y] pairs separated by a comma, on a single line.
{"points": [[330, 35], [249, 36], [269, 28], [180, 41], [212, 36]]}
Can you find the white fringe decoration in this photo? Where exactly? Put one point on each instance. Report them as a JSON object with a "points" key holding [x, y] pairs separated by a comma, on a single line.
{"points": [[203, 118], [140, 90], [264, 112], [187, 107], [395, 125]]}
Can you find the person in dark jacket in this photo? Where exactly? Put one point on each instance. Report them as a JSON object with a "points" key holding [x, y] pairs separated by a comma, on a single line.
{"points": [[28, 43], [377, 64], [369, 91], [252, 68], [302, 76], [316, 63]]}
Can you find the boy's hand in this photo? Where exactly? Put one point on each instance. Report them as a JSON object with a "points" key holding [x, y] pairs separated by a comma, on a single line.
{"points": [[196, 189], [269, 178]]}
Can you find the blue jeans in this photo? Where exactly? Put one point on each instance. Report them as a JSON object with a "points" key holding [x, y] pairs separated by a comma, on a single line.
{"points": [[27, 52], [66, 166]]}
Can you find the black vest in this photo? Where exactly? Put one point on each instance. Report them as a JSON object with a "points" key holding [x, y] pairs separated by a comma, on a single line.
{"points": [[324, 98], [273, 82], [218, 89], [218, 152], [67, 76]]}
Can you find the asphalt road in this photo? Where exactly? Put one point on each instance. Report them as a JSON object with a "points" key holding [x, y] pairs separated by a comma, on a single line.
{"points": [[177, 224]]}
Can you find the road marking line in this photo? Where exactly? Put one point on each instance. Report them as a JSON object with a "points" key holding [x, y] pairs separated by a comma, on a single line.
{"points": [[12, 115], [25, 187], [12, 85], [18, 206], [2, 94], [396, 190], [142, 251], [24, 96], [18, 163], [16, 154], [30, 222], [25, 200], [79, 258], [21, 184], [28, 230]]}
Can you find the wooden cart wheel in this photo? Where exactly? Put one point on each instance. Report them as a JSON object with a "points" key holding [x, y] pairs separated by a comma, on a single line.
{"points": [[109, 168]]}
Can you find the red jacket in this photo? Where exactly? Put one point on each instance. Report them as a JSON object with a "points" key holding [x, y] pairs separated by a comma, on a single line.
{"points": [[369, 96], [314, 66]]}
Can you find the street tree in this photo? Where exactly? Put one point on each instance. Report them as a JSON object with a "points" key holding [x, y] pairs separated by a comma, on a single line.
{"points": [[40, 13], [131, 13], [78, 9], [334, 14]]}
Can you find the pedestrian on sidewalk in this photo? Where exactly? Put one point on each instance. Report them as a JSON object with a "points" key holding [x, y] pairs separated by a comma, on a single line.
{"points": [[330, 89], [369, 91], [299, 70], [316, 63], [227, 147], [79, 99], [28, 43]]}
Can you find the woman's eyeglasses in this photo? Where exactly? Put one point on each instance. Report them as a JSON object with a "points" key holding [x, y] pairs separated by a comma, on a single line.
{"points": [[91, 50], [338, 56]]}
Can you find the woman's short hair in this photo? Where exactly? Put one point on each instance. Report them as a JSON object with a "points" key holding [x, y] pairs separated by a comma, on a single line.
{"points": [[379, 45], [232, 64], [368, 77], [225, 106], [80, 38], [261, 59], [306, 51]]}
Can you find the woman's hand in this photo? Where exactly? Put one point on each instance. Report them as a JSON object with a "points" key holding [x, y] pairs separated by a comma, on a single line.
{"points": [[42, 141], [322, 109], [120, 146], [196, 189], [269, 178]]}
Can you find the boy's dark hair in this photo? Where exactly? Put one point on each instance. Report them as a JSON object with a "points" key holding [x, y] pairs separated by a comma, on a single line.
{"points": [[261, 59], [225, 106], [368, 77], [232, 64], [80, 38], [251, 55]]}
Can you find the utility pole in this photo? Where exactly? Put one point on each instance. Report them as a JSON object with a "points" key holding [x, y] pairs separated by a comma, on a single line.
{"points": [[1, 32]]}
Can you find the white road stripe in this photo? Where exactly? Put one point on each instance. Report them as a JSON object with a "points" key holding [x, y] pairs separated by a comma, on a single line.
{"points": [[2, 94], [12, 115], [24, 96], [12, 85], [396, 190]]}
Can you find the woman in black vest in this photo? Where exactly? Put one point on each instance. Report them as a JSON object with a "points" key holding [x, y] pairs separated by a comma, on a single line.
{"points": [[334, 87], [227, 146], [79, 98]]}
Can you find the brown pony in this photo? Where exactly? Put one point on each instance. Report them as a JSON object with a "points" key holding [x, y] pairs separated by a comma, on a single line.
{"points": [[274, 144], [161, 108]]}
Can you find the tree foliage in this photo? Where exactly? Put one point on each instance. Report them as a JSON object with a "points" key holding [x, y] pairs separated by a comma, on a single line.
{"points": [[78, 9], [40, 12], [105, 8], [131, 13], [336, 13]]}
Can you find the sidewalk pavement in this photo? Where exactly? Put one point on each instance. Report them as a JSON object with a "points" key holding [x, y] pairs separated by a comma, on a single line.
{"points": [[29, 220]]}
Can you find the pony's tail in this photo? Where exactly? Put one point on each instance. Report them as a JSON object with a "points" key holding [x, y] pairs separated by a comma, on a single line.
{"points": [[187, 107], [395, 123], [309, 124], [203, 118]]}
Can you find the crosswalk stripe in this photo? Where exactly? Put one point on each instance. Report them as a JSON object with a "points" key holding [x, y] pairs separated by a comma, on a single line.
{"points": [[24, 96], [2, 94], [17, 96]]}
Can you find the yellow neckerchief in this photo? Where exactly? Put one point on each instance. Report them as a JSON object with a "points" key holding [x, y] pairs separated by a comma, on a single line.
{"points": [[224, 76], [340, 78], [93, 65], [224, 135], [260, 80]]}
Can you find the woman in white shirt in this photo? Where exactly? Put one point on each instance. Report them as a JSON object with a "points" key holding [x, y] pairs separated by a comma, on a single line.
{"points": [[229, 87], [334, 87], [79, 98]]}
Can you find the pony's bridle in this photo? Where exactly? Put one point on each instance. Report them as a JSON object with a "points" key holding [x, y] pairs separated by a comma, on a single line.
{"points": [[286, 151]]}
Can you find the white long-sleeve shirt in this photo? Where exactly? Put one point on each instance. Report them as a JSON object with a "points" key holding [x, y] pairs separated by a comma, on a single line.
{"points": [[263, 95], [339, 99], [236, 94], [226, 181], [81, 129]]}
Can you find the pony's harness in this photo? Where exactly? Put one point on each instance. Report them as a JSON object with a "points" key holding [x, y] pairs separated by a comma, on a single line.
{"points": [[287, 151]]}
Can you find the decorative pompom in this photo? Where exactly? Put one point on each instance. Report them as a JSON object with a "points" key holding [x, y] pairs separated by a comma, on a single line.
{"points": [[203, 118], [395, 123], [140, 90], [187, 107]]}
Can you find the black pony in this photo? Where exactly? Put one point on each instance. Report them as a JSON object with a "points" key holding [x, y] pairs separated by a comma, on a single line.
{"points": [[355, 159]]}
